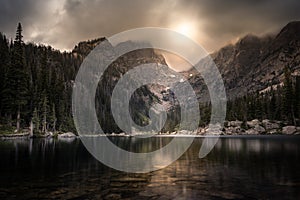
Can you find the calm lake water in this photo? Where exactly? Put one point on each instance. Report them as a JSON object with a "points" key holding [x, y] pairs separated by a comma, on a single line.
{"points": [[237, 168]]}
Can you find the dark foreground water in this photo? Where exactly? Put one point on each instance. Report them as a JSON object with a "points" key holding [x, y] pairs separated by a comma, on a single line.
{"points": [[237, 168]]}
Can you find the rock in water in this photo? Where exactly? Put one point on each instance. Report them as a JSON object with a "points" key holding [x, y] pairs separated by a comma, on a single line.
{"points": [[67, 135]]}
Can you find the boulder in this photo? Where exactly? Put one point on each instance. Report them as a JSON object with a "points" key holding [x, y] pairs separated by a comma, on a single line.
{"points": [[289, 130], [233, 130], [270, 125], [235, 123], [213, 129], [253, 123], [201, 131], [259, 129], [183, 132], [273, 131], [48, 134], [67, 135], [112, 197], [298, 131], [251, 132]]}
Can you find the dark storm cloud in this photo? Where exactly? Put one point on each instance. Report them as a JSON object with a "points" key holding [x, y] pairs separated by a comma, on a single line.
{"points": [[14, 11], [62, 23], [252, 14], [88, 19]]}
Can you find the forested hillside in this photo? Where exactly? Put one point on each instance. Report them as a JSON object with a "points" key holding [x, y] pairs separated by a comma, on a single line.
{"points": [[36, 85]]}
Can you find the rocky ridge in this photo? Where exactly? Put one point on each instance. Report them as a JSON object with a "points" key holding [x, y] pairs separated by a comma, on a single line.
{"points": [[254, 63]]}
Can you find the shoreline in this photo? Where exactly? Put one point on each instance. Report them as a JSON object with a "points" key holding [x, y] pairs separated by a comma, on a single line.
{"points": [[235, 128], [27, 136]]}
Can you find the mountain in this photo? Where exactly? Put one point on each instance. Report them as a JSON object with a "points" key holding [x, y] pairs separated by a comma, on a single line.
{"points": [[141, 100], [255, 63]]}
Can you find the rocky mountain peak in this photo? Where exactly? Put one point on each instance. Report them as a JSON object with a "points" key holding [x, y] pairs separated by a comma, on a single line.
{"points": [[85, 47], [287, 38], [291, 30], [248, 40]]}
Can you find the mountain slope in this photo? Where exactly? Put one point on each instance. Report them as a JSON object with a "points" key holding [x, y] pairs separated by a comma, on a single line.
{"points": [[253, 63]]}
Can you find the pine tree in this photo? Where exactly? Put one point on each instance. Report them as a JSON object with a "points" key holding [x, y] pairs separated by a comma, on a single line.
{"points": [[258, 106], [36, 121], [279, 108], [4, 64], [297, 94], [288, 96], [272, 104], [17, 79], [45, 112], [8, 92], [52, 119]]}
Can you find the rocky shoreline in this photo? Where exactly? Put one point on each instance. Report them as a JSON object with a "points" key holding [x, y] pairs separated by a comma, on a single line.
{"points": [[47, 135], [231, 128], [16, 135], [253, 127], [256, 127]]}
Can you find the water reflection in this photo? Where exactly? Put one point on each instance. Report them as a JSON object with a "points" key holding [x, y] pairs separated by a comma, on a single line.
{"points": [[142, 160], [237, 168]]}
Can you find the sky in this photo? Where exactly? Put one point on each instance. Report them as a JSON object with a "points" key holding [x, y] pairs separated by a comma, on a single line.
{"points": [[211, 23]]}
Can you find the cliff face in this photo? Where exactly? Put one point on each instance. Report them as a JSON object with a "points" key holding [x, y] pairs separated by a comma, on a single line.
{"points": [[140, 101], [85, 47]]}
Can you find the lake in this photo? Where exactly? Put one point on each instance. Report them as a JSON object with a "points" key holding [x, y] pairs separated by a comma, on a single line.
{"points": [[246, 167]]}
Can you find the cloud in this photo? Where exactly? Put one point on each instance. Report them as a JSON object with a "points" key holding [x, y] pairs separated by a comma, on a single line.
{"points": [[226, 20], [37, 17], [89, 19], [11, 12], [63, 23]]}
